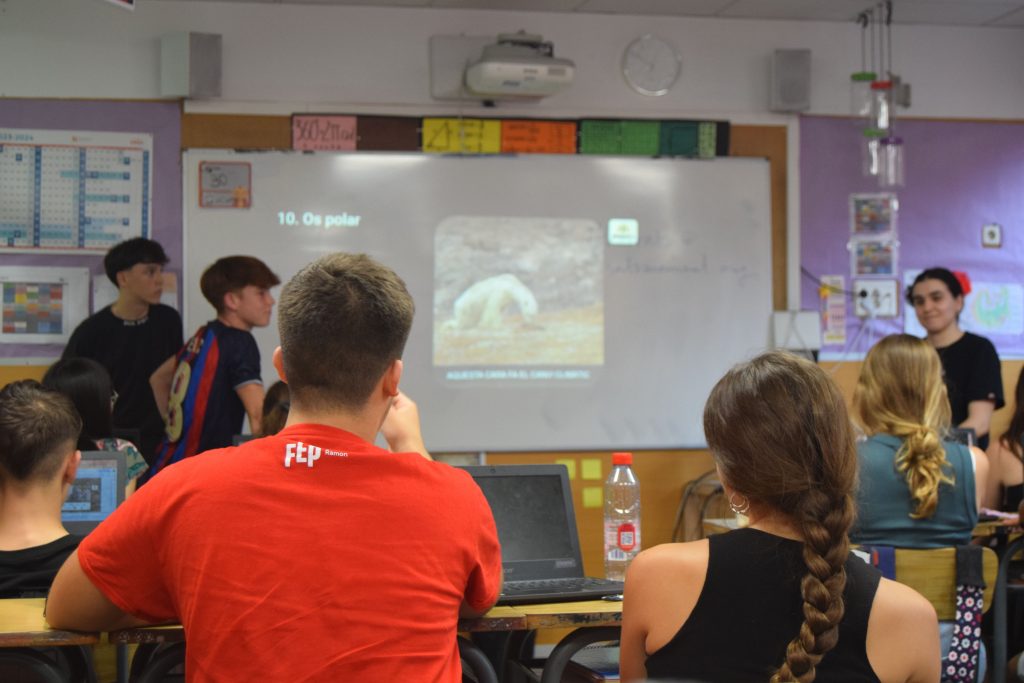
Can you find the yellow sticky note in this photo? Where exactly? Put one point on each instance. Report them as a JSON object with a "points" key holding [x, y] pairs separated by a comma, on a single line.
{"points": [[591, 468], [569, 465], [593, 496]]}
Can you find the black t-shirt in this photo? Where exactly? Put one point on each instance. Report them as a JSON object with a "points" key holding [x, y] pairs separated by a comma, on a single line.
{"points": [[751, 607], [131, 350], [28, 573], [972, 372]]}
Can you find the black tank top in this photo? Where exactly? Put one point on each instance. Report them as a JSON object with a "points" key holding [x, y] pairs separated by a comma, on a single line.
{"points": [[749, 610]]}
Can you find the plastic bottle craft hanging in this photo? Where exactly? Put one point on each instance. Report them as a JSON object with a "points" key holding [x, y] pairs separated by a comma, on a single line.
{"points": [[892, 162]]}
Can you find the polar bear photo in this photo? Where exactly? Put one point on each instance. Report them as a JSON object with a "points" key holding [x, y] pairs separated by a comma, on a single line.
{"points": [[484, 304]]}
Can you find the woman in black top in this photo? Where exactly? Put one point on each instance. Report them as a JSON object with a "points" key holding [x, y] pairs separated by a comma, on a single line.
{"points": [[970, 363], [782, 600]]}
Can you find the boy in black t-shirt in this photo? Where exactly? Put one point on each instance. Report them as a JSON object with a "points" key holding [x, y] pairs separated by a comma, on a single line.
{"points": [[214, 382], [38, 462], [132, 337]]}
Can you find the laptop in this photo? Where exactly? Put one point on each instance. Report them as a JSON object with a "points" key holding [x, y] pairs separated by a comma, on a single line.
{"points": [[540, 547], [97, 491]]}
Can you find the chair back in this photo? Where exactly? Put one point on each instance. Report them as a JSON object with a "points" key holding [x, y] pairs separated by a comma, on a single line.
{"points": [[932, 573]]}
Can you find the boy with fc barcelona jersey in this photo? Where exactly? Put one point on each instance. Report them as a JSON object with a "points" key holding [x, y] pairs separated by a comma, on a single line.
{"points": [[208, 388]]}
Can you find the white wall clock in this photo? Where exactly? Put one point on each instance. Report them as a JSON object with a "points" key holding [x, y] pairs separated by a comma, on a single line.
{"points": [[651, 65]]}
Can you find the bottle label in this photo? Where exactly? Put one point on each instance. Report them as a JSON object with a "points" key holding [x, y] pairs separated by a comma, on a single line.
{"points": [[626, 537]]}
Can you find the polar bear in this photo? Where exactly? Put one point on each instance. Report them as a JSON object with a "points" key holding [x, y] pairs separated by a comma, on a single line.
{"points": [[482, 305]]}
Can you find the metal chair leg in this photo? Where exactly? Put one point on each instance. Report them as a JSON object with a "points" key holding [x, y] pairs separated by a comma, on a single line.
{"points": [[999, 608], [570, 645], [477, 661]]}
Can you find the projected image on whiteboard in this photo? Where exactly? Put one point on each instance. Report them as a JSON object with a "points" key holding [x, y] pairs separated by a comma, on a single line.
{"points": [[518, 298]]}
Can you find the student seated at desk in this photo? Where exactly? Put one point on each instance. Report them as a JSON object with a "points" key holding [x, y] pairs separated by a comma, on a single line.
{"points": [[916, 489], [311, 554], [782, 600], [1005, 454], [276, 405], [38, 461], [88, 385]]}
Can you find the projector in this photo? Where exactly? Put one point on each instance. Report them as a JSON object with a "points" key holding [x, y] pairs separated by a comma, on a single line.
{"points": [[521, 66]]}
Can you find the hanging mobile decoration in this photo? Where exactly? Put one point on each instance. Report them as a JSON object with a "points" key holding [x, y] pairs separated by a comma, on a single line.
{"points": [[860, 81], [874, 95]]}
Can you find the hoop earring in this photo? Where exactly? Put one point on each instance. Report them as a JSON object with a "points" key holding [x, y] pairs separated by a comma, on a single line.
{"points": [[741, 507]]}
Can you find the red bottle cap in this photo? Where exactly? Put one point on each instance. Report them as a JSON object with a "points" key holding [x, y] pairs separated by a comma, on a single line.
{"points": [[622, 458]]}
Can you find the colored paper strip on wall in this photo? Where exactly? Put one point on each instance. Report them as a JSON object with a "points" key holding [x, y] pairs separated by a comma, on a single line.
{"points": [[389, 133], [462, 136], [600, 137], [640, 137], [707, 136], [314, 132], [678, 139], [538, 137]]}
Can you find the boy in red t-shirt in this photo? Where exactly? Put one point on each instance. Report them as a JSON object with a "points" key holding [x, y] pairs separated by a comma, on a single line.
{"points": [[311, 554]]}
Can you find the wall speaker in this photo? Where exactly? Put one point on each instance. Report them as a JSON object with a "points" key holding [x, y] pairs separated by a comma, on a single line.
{"points": [[190, 65], [790, 81]]}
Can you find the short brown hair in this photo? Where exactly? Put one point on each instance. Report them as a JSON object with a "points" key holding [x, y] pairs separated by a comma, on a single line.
{"points": [[232, 273], [777, 427], [38, 428], [343, 319]]}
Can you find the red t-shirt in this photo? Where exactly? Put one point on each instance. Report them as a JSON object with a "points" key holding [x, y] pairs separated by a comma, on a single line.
{"points": [[310, 555]]}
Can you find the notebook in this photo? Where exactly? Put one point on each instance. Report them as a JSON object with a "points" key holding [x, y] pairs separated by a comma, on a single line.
{"points": [[97, 491], [540, 547]]}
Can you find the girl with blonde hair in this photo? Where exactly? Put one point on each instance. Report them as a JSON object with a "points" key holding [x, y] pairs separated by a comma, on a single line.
{"points": [[917, 490], [783, 599]]}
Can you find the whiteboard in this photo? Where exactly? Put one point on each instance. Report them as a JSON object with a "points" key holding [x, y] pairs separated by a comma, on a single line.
{"points": [[564, 302]]}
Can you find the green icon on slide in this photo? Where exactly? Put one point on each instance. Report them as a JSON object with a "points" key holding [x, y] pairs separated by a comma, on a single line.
{"points": [[623, 232]]}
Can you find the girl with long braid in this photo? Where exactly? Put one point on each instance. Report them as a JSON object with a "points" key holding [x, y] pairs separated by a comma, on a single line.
{"points": [[783, 599]]}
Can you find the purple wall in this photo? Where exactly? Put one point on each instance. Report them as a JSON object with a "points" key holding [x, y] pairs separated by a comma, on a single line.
{"points": [[162, 120], [959, 176]]}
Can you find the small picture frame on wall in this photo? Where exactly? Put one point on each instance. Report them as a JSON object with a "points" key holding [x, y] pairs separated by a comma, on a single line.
{"points": [[873, 214], [873, 256]]}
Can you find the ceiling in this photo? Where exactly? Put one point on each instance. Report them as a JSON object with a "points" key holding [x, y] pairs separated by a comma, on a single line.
{"points": [[1007, 13]]}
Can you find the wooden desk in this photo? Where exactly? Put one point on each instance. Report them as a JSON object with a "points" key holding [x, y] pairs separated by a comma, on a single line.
{"points": [[497, 619], [572, 614], [22, 625]]}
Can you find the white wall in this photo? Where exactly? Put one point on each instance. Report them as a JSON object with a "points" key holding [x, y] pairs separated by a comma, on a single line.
{"points": [[279, 59]]}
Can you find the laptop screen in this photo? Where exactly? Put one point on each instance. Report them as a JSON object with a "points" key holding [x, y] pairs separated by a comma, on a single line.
{"points": [[532, 507], [530, 515], [96, 492]]}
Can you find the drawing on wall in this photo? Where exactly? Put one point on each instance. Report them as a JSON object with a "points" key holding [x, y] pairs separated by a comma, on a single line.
{"points": [[873, 214], [42, 305], [873, 257], [73, 191], [518, 291]]}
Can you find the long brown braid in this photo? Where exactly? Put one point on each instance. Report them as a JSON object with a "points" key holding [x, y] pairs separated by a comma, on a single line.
{"points": [[779, 432]]}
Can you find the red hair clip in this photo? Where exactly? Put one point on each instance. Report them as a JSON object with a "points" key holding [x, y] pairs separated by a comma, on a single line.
{"points": [[964, 280]]}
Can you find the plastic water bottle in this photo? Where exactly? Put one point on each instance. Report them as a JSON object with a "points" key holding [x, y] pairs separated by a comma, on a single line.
{"points": [[621, 517]]}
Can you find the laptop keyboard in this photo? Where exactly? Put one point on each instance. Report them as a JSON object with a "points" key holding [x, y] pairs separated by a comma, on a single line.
{"points": [[564, 585]]}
